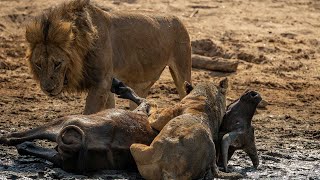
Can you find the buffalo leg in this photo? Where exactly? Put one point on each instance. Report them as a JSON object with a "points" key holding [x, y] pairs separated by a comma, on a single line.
{"points": [[250, 147], [29, 148], [219, 174], [124, 91], [230, 153], [231, 138], [188, 87], [251, 150]]}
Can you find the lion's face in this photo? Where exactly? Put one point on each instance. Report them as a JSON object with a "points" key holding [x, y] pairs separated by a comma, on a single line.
{"points": [[49, 64], [59, 40]]}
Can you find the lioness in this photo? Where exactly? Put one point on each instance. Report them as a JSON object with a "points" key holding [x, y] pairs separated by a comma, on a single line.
{"points": [[79, 47], [185, 147], [90, 142]]}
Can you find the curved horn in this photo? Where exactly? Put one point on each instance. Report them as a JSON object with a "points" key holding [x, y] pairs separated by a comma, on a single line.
{"points": [[70, 147], [227, 140], [81, 148]]}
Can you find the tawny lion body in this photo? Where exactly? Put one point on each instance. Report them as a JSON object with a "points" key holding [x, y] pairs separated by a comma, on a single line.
{"points": [[79, 47], [185, 147]]}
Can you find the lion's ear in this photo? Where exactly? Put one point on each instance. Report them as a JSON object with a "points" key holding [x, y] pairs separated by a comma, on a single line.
{"points": [[82, 2], [85, 1], [34, 34], [223, 84], [60, 33]]}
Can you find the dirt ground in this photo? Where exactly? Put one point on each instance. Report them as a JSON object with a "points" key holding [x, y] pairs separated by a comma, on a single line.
{"points": [[276, 41]]}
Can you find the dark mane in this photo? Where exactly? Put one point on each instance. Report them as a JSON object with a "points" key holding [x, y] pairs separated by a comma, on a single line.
{"points": [[68, 26]]}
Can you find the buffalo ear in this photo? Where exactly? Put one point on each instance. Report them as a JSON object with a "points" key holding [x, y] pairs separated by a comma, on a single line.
{"points": [[223, 84]]}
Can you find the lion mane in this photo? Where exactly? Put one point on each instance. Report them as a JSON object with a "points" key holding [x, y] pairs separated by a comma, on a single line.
{"points": [[79, 47], [69, 27]]}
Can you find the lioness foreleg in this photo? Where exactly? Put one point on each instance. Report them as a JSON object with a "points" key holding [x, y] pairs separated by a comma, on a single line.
{"points": [[159, 118]]}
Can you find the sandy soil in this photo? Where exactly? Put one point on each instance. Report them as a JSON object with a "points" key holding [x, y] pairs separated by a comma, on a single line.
{"points": [[276, 41]]}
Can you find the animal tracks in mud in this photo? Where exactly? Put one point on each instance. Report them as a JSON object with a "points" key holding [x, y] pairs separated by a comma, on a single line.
{"points": [[275, 164]]}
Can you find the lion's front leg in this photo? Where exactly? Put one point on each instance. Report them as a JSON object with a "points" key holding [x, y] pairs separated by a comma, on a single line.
{"points": [[159, 118], [99, 98]]}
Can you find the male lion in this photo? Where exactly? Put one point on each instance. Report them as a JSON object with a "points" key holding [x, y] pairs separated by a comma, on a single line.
{"points": [[79, 47]]}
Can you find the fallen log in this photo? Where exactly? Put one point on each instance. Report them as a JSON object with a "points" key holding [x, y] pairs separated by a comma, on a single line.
{"points": [[214, 64]]}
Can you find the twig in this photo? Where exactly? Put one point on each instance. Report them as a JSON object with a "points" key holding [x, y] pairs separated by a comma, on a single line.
{"points": [[202, 6], [194, 13]]}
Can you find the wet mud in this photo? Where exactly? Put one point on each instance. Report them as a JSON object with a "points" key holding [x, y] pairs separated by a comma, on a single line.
{"points": [[276, 43]]}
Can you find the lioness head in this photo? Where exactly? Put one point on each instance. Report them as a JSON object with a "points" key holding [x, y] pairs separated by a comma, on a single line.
{"points": [[58, 43]]}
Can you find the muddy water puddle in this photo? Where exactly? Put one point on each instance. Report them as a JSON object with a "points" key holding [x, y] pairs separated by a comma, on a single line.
{"points": [[279, 164], [274, 164]]}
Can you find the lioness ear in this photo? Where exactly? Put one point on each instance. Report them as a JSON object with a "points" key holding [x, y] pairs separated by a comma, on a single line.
{"points": [[223, 84]]}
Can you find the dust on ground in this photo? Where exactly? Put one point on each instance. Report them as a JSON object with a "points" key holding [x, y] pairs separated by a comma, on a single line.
{"points": [[276, 41]]}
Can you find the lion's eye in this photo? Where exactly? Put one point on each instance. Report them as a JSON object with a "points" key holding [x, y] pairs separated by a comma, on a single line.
{"points": [[57, 65]]}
